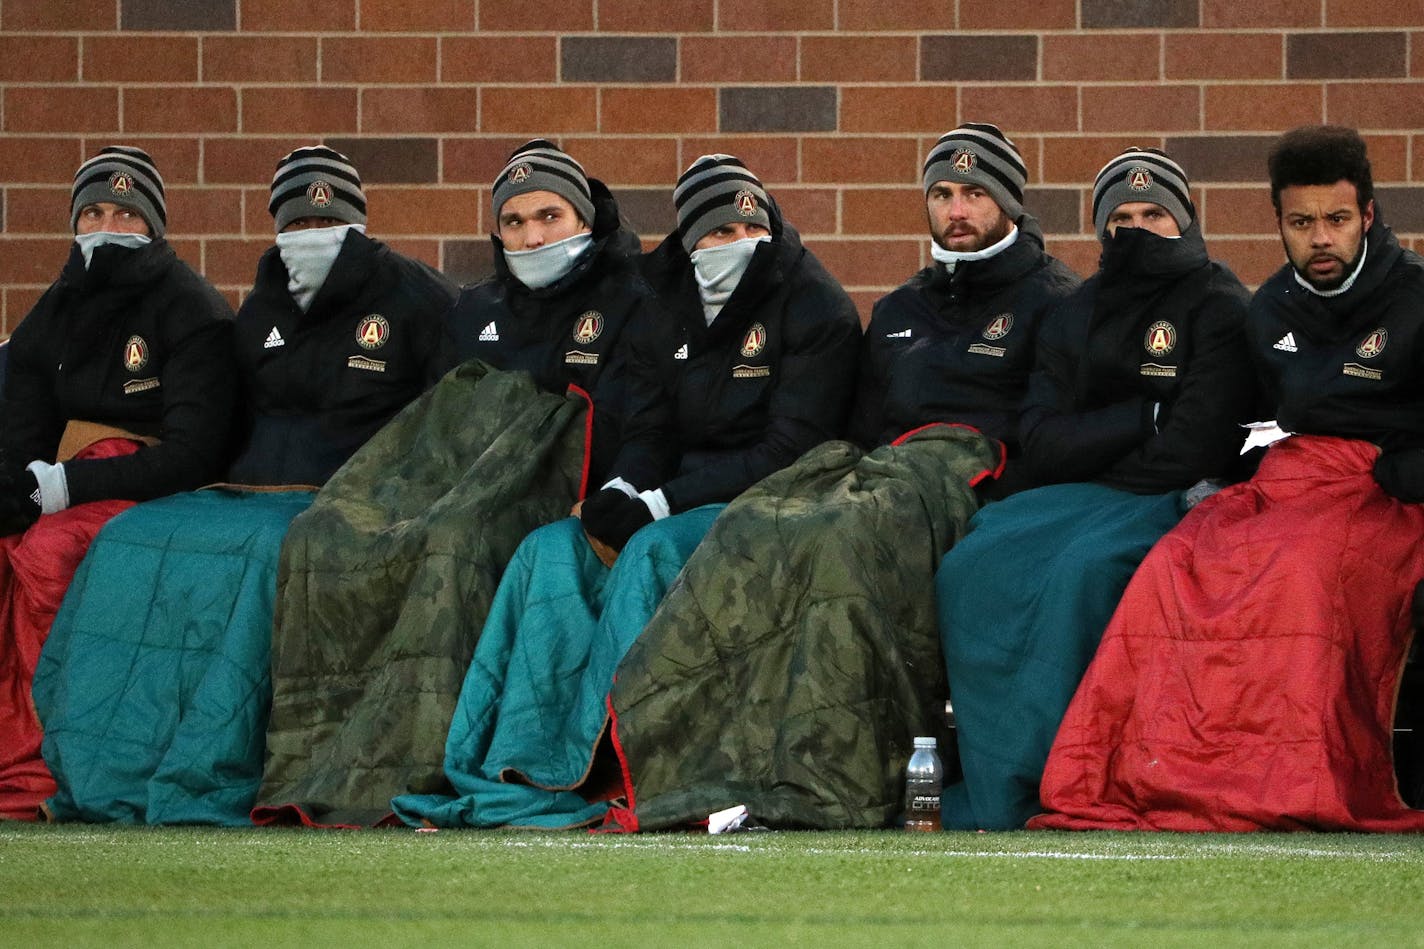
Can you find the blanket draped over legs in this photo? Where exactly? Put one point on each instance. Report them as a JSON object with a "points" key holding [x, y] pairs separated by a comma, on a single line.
{"points": [[535, 703], [154, 685], [796, 656], [35, 570], [385, 583], [1248, 678], [1023, 601]]}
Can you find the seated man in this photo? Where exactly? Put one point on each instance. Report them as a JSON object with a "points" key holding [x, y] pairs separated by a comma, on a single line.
{"points": [[745, 364], [338, 334], [1248, 679], [389, 577], [119, 388]]}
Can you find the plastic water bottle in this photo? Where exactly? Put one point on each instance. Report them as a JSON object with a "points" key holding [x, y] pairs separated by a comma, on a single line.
{"points": [[924, 780]]}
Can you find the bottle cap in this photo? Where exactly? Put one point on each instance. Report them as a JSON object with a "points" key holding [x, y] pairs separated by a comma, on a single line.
{"points": [[923, 741]]}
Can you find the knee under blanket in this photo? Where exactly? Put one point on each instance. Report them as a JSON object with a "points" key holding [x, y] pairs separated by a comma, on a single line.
{"points": [[534, 705], [35, 570], [385, 583], [1023, 601], [1248, 678], [154, 687], [796, 655]]}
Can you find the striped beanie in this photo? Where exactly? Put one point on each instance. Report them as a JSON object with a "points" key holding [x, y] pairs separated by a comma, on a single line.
{"points": [[316, 181], [540, 165], [980, 153], [1142, 174], [123, 175], [717, 190]]}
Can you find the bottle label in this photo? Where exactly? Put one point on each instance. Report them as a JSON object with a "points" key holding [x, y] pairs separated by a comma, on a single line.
{"points": [[924, 803]]}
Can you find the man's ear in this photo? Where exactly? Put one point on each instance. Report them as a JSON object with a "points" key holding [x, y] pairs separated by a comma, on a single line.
{"points": [[1368, 216]]}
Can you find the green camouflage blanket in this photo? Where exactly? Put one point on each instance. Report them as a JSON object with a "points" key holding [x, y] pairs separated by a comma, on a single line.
{"points": [[797, 654], [385, 583]]}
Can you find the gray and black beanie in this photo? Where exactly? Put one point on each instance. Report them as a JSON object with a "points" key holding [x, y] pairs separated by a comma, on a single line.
{"points": [[1142, 174], [316, 181], [717, 190], [980, 153], [124, 175], [540, 165]]}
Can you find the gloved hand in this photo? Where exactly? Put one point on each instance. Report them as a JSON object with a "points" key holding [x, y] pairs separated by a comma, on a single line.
{"points": [[19, 503], [600, 504], [1401, 474], [613, 517]]}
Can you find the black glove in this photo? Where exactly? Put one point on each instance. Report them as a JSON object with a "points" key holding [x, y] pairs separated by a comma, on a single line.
{"points": [[1401, 474], [613, 519], [19, 503]]}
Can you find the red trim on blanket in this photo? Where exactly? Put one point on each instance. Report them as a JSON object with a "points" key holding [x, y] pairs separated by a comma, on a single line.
{"points": [[619, 820], [293, 815], [587, 437], [995, 472]]}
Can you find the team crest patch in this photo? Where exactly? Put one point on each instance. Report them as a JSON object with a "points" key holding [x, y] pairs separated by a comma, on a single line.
{"points": [[320, 193], [1161, 338], [755, 340], [1373, 344], [135, 354], [999, 326], [746, 204], [1138, 178], [964, 160], [588, 328], [521, 172], [135, 386], [373, 332], [366, 364], [121, 183]]}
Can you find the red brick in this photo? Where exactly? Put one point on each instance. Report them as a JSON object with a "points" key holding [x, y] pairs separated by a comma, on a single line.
{"points": [[1102, 56], [897, 108], [626, 161], [487, 58], [871, 160], [538, 111], [232, 262], [289, 59], [567, 16], [421, 210], [190, 251], [868, 263], [177, 158], [810, 210], [418, 16], [256, 221], [1079, 253], [419, 109], [180, 109], [426, 251], [19, 301], [884, 210], [858, 58], [310, 16], [372, 59], [135, 57], [864, 301], [49, 160], [895, 15], [1251, 259], [1224, 14], [39, 15], [1078, 160], [1224, 56], [1124, 109], [476, 160], [1389, 157], [775, 15], [61, 108], [309, 110], [1041, 108], [738, 59], [1374, 12], [1256, 106], [204, 210], [665, 16], [1237, 211], [31, 58], [1375, 105], [247, 160], [658, 110], [997, 15], [37, 210], [771, 158], [32, 259]]}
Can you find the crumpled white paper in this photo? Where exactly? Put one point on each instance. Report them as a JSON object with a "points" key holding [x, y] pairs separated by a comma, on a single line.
{"points": [[727, 820], [1263, 434]]}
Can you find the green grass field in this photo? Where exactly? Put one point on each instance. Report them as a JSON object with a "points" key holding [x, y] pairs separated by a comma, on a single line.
{"points": [[77, 886]]}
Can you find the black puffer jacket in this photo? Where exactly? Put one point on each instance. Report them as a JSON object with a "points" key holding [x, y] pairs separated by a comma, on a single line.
{"points": [[138, 341], [1142, 377], [318, 384]]}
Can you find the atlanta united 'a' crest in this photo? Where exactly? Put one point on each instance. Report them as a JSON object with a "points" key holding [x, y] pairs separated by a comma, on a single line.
{"points": [[373, 331], [999, 326], [1161, 338], [135, 354], [963, 160], [755, 340], [320, 193], [1373, 344], [589, 327], [121, 183], [1138, 178], [746, 203], [521, 172]]}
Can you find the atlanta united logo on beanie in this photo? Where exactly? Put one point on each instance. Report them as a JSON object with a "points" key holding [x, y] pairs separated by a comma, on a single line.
{"points": [[1142, 174], [980, 153], [316, 181], [540, 165], [717, 190], [122, 175]]}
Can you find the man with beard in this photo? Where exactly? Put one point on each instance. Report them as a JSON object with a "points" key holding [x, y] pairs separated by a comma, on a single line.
{"points": [[1249, 677]]}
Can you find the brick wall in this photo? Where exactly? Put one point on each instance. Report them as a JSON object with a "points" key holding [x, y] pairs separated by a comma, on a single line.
{"points": [[832, 102]]}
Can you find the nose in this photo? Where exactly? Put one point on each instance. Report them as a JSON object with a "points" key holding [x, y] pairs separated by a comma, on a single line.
{"points": [[533, 235], [1319, 234], [957, 207]]}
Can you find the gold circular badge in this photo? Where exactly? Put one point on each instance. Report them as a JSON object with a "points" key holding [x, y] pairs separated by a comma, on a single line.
{"points": [[1373, 344], [1161, 338], [320, 193], [135, 354], [755, 340], [372, 331], [1138, 178], [521, 172], [121, 183], [999, 326], [963, 160], [589, 327], [746, 204]]}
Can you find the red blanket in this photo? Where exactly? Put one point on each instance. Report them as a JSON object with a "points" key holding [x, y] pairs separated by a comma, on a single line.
{"points": [[1248, 678], [35, 570]]}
